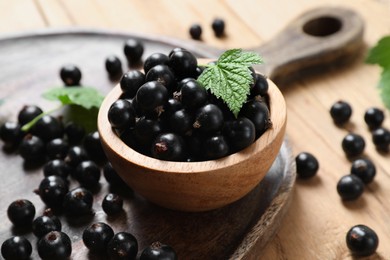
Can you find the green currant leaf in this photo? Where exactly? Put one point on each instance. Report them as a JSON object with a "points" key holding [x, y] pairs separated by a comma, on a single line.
{"points": [[384, 86], [230, 78], [380, 53], [82, 96]]}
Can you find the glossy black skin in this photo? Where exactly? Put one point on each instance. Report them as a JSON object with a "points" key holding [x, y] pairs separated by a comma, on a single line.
{"points": [[32, 148], [183, 63], [151, 95], [218, 26], [258, 112], [239, 133], [350, 187], [158, 251], [208, 119], [155, 59], [341, 112], [113, 65], [57, 148], [55, 245], [16, 248], [57, 167], [52, 190], [48, 128], [364, 169], [307, 165], [28, 113], [97, 236], [164, 75], [171, 107], [133, 51], [214, 147], [78, 202], [169, 147], [121, 114], [381, 139], [21, 212], [76, 155], [88, 174], [362, 240], [123, 246], [374, 117], [353, 145], [131, 81], [260, 86], [11, 134], [112, 204], [146, 130], [93, 147], [74, 133], [192, 94], [195, 31], [45, 224], [180, 122], [70, 75]]}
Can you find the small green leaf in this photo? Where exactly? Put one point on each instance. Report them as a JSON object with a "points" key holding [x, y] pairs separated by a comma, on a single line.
{"points": [[384, 85], [380, 53], [82, 96], [230, 77]]}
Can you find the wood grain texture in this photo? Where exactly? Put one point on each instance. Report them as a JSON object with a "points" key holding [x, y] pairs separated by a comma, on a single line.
{"points": [[317, 221]]}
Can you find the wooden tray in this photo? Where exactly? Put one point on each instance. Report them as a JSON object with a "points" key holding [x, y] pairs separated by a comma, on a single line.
{"points": [[30, 65]]}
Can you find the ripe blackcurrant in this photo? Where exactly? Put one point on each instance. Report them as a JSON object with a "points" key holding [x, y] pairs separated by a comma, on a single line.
{"points": [[215, 147], [364, 169], [381, 139], [21, 212], [169, 146], [16, 248], [151, 95], [133, 50], [32, 148], [112, 204], [157, 251], [260, 86], [57, 167], [28, 113], [362, 240], [353, 144], [162, 74], [97, 236], [11, 134], [57, 148], [155, 59], [350, 187], [112, 176], [218, 26], [88, 174], [195, 31], [239, 133], [180, 122], [122, 246], [131, 81], [192, 95], [121, 114], [70, 75], [307, 165], [93, 147], [113, 65], [208, 119], [74, 132], [52, 191], [341, 112], [374, 117], [48, 128], [45, 224], [55, 245], [258, 112], [183, 63], [78, 202], [76, 155]]}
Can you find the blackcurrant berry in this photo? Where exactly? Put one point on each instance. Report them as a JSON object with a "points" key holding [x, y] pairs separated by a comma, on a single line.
{"points": [[21, 212], [307, 165], [48, 128], [180, 122], [350, 187], [133, 50], [78, 202], [169, 147], [171, 107], [364, 169], [28, 113], [258, 112], [218, 26], [362, 240], [195, 31], [381, 139], [121, 114], [162, 74], [131, 81], [183, 64], [112, 204], [215, 147], [260, 86], [88, 174], [208, 119], [146, 130], [192, 95], [57, 148], [353, 144], [112, 176], [113, 65], [16, 248], [374, 117], [157, 251], [45, 224], [70, 75], [93, 147], [155, 59], [239, 133], [11, 134], [76, 155], [341, 112], [55, 245], [32, 148], [57, 167], [151, 95], [97, 236], [123, 246], [52, 191], [74, 133]]}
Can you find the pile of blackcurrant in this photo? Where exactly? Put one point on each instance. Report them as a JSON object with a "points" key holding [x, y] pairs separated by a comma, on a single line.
{"points": [[165, 113]]}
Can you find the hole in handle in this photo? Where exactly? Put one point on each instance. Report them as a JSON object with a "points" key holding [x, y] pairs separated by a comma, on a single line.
{"points": [[322, 26]]}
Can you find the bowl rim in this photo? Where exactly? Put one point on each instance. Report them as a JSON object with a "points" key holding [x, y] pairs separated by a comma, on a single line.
{"points": [[278, 117]]}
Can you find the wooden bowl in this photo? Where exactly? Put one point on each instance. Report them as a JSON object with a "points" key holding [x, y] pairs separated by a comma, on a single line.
{"points": [[195, 186]]}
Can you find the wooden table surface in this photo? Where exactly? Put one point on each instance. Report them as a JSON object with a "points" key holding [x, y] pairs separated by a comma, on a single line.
{"points": [[317, 221]]}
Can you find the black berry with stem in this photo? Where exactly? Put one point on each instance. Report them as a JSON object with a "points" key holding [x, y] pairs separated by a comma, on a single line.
{"points": [[93, 147], [157, 251], [88, 174], [353, 144], [218, 26], [70, 75], [362, 240], [45, 224], [169, 147], [78, 202], [32, 148], [183, 63], [28, 113], [123, 245], [180, 122], [113, 65], [55, 245], [112, 204], [239, 133], [260, 86], [307, 165], [215, 147], [48, 128], [11, 134], [57, 167], [16, 248], [97, 236], [133, 50], [364, 169], [350, 187], [381, 139], [131, 81], [257, 111], [52, 191], [74, 132], [162, 74], [121, 114], [154, 60], [151, 95], [208, 119], [195, 31], [76, 155], [57, 148], [341, 112], [374, 117], [21, 212], [192, 95]]}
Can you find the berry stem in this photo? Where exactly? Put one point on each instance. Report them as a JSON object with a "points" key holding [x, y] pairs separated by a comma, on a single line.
{"points": [[30, 124]]}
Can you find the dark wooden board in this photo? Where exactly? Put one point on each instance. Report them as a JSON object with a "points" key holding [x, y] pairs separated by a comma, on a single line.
{"points": [[30, 65]]}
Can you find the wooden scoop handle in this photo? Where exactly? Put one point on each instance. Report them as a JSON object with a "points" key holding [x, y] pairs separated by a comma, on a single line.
{"points": [[317, 39]]}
